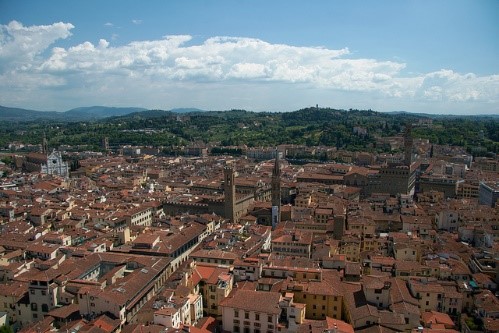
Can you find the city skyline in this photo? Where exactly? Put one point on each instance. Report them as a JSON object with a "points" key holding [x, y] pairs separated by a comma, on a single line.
{"points": [[412, 56]]}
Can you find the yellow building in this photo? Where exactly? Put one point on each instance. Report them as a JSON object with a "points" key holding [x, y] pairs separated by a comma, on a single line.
{"points": [[429, 294], [321, 298], [215, 284], [350, 246]]}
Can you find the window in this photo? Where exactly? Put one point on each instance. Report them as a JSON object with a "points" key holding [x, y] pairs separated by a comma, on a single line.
{"points": [[236, 313], [269, 319], [246, 315], [45, 308], [34, 307], [257, 316], [314, 307], [236, 329], [427, 302], [323, 298], [44, 292], [323, 307]]}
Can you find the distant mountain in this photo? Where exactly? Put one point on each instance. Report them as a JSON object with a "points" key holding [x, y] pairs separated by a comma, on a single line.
{"points": [[77, 114], [102, 112], [142, 115], [407, 113], [436, 115], [18, 114], [186, 110], [99, 112]]}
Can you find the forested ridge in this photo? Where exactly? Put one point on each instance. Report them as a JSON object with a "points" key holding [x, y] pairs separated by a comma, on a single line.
{"points": [[344, 129]]}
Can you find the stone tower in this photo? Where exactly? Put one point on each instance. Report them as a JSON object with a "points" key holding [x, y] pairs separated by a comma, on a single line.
{"points": [[230, 193], [105, 143], [408, 145], [276, 192], [45, 145]]}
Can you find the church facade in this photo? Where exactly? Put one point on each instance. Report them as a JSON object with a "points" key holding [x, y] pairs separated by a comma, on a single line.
{"points": [[55, 165]]}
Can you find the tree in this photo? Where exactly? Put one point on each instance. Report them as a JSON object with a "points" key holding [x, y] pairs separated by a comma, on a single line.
{"points": [[6, 329]]}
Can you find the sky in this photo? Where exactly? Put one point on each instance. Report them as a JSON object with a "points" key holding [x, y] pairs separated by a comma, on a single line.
{"points": [[280, 55]]}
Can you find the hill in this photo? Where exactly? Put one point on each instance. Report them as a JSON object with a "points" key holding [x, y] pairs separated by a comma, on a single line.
{"points": [[18, 114], [99, 112], [77, 114], [186, 110]]}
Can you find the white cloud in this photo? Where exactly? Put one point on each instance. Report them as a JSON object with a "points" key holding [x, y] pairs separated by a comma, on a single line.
{"points": [[137, 22], [451, 86], [175, 63], [108, 24], [19, 45]]}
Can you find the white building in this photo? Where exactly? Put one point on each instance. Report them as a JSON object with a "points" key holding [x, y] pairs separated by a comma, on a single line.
{"points": [[447, 220], [55, 165]]}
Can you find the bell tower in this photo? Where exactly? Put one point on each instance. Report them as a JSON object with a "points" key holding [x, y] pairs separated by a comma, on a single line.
{"points": [[408, 145], [276, 191], [230, 193], [45, 145]]}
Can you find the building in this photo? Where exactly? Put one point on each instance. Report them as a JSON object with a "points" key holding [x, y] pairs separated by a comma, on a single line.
{"points": [[215, 284], [262, 153], [229, 193], [276, 193], [322, 297], [55, 165], [429, 294], [394, 179], [293, 243], [260, 311], [129, 292], [440, 183], [488, 193]]}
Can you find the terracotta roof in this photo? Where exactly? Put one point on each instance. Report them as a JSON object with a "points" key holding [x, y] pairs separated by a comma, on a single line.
{"points": [[433, 317], [250, 300], [65, 311]]}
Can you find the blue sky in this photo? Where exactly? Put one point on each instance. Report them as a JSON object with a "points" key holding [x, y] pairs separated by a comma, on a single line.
{"points": [[419, 56]]}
